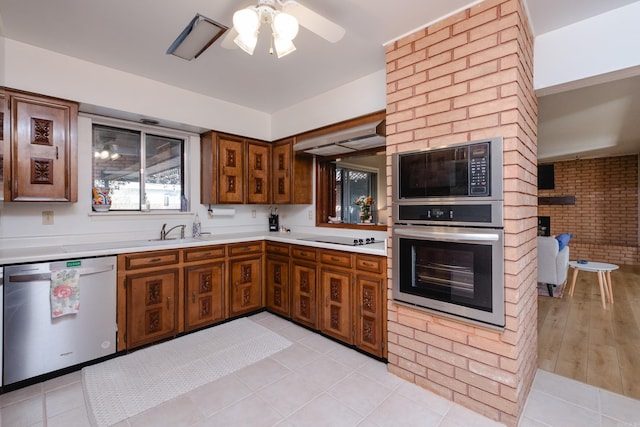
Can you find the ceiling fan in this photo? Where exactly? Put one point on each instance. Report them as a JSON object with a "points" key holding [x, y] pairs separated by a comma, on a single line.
{"points": [[283, 17]]}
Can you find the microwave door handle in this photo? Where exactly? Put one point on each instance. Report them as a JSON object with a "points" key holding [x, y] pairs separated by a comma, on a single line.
{"points": [[453, 237]]}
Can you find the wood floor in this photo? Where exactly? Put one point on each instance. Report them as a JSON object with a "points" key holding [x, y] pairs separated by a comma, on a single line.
{"points": [[579, 339]]}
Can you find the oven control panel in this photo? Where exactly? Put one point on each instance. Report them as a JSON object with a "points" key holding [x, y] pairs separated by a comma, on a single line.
{"points": [[479, 170], [480, 214]]}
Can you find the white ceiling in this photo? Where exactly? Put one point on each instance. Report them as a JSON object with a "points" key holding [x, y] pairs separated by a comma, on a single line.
{"points": [[133, 36]]}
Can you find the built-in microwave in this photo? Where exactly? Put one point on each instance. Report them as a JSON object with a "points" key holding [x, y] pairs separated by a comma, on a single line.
{"points": [[470, 170]]}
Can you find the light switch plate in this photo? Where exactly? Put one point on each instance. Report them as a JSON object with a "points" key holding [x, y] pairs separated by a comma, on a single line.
{"points": [[47, 217]]}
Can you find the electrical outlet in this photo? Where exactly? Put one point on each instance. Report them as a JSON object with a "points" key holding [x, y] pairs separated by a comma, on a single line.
{"points": [[47, 217], [310, 215], [253, 213]]}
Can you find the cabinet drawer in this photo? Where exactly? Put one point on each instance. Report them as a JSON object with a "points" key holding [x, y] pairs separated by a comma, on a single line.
{"points": [[303, 253], [245, 248], [203, 253], [338, 259], [151, 259], [278, 248], [373, 264]]}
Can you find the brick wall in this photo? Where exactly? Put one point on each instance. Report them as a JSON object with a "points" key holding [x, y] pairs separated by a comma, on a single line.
{"points": [[465, 78], [604, 218]]}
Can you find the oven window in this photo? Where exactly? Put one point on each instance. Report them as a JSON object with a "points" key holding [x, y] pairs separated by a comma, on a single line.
{"points": [[457, 273]]}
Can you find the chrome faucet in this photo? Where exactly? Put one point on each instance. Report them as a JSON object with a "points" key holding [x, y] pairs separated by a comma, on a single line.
{"points": [[164, 231]]}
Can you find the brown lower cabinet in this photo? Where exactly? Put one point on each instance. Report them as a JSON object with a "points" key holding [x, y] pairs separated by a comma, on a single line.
{"points": [[304, 284], [204, 275], [245, 277], [150, 286], [164, 293], [336, 319], [277, 284], [341, 294]]}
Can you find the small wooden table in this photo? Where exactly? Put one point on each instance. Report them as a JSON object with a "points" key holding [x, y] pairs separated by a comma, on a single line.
{"points": [[604, 278]]}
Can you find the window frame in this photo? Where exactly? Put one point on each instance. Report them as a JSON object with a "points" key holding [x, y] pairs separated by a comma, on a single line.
{"points": [[346, 185], [144, 130], [325, 174], [325, 180]]}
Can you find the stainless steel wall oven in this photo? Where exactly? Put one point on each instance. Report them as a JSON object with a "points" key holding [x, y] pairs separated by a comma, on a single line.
{"points": [[448, 239]]}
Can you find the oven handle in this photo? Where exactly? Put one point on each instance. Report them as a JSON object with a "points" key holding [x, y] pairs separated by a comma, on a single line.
{"points": [[451, 237]]}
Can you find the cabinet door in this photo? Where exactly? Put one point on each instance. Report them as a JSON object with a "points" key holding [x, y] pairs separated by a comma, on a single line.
{"points": [[369, 319], [258, 173], [151, 306], [282, 172], [336, 304], [230, 171], [303, 284], [204, 298], [278, 286], [43, 149], [246, 285]]}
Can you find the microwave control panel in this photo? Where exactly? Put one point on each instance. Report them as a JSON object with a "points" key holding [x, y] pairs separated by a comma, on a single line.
{"points": [[479, 170]]}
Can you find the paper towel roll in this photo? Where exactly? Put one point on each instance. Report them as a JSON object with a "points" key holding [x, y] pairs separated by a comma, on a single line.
{"points": [[222, 212]]}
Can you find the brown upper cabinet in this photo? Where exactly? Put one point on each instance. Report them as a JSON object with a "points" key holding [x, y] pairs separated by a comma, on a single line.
{"points": [[258, 175], [237, 170], [40, 158], [292, 175], [222, 168]]}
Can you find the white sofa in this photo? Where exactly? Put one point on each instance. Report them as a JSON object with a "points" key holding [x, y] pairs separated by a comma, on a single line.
{"points": [[553, 264]]}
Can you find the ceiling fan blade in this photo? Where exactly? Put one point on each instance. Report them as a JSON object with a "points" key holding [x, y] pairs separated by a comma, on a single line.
{"points": [[227, 41], [314, 22]]}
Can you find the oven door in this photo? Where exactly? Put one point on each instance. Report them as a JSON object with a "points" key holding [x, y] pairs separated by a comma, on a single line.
{"points": [[453, 270]]}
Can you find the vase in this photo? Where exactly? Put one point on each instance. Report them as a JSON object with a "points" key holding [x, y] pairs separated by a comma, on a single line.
{"points": [[101, 199], [365, 216]]}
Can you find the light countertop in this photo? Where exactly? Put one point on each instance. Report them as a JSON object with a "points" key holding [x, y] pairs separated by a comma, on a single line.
{"points": [[86, 250]]}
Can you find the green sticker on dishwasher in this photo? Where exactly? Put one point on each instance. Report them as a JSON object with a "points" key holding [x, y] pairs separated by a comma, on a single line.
{"points": [[74, 264]]}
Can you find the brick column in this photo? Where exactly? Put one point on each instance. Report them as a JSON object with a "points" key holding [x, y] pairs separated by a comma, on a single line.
{"points": [[465, 78]]}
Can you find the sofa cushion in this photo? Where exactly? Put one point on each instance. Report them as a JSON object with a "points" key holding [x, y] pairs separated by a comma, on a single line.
{"points": [[563, 240]]}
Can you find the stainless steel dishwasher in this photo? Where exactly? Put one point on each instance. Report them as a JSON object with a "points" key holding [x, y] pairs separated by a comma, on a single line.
{"points": [[35, 343]]}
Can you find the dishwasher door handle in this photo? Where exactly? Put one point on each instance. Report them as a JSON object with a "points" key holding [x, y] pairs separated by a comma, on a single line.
{"points": [[35, 277]]}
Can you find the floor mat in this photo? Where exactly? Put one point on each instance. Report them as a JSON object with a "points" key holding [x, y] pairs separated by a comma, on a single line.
{"points": [[128, 385]]}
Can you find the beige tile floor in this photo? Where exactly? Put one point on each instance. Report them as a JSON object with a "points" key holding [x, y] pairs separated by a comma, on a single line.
{"points": [[317, 382]]}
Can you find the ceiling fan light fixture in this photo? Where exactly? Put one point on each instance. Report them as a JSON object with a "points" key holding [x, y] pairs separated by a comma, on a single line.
{"points": [[285, 18], [283, 46], [247, 42], [246, 21], [285, 25]]}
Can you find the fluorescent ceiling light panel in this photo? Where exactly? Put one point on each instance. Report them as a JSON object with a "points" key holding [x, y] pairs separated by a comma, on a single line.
{"points": [[198, 35]]}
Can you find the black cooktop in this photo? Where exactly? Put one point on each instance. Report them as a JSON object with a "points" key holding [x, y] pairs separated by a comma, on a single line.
{"points": [[347, 241]]}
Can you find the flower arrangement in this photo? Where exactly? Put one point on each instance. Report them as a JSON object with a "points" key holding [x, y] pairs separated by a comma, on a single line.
{"points": [[365, 203]]}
